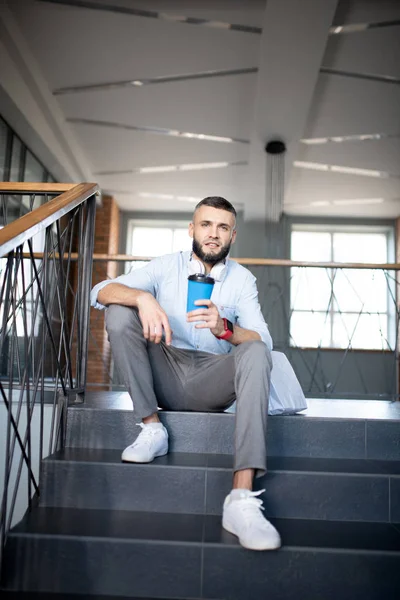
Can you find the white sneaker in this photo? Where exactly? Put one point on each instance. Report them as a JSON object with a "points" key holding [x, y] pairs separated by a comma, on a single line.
{"points": [[150, 443], [242, 516]]}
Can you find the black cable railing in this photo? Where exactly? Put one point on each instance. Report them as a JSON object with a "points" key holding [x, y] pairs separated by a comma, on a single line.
{"points": [[349, 349], [46, 250]]}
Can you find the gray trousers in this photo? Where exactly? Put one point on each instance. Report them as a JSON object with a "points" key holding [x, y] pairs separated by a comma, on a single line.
{"points": [[157, 375]]}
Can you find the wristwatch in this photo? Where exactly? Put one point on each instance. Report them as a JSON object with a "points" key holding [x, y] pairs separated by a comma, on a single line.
{"points": [[228, 327]]}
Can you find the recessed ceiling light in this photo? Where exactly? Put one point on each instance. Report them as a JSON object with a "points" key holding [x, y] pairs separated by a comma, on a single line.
{"points": [[165, 169], [311, 141], [137, 83], [357, 171], [349, 138], [158, 196], [359, 201], [352, 28], [200, 166], [311, 165], [341, 169]]}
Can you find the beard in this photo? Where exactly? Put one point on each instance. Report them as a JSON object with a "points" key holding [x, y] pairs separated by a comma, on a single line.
{"points": [[209, 258]]}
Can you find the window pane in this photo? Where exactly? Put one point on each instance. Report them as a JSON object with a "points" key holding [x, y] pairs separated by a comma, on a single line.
{"points": [[311, 246], [360, 247], [15, 159], [310, 330], [357, 290], [310, 289], [135, 264], [33, 169], [181, 240], [3, 147], [365, 331], [151, 241]]}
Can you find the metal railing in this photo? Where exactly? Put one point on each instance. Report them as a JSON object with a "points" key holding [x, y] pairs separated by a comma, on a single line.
{"points": [[45, 280], [350, 349]]}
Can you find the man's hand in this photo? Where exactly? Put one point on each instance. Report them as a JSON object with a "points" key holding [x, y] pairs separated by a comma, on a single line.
{"points": [[153, 318], [210, 315]]}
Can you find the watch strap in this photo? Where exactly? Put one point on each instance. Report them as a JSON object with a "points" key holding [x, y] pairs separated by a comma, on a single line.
{"points": [[227, 333]]}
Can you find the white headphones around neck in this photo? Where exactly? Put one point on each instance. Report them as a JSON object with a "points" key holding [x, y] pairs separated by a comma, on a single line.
{"points": [[217, 272]]}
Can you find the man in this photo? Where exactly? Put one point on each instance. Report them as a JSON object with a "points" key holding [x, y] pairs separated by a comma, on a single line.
{"points": [[203, 360]]}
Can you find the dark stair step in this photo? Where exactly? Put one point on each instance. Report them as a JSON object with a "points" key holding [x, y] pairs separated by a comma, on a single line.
{"points": [[13, 595], [298, 435], [296, 487], [190, 556]]}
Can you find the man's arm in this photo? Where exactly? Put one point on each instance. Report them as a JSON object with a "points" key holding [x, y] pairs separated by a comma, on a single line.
{"points": [[215, 323], [152, 316], [241, 335], [252, 324], [117, 293]]}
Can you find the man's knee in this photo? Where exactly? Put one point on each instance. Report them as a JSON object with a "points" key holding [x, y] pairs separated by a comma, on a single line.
{"points": [[118, 318], [256, 353]]}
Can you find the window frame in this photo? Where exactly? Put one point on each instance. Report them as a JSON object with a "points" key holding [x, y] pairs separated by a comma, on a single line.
{"points": [[386, 228], [152, 223]]}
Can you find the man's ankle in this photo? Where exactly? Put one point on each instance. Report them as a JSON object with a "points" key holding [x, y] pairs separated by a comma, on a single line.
{"points": [[151, 419]]}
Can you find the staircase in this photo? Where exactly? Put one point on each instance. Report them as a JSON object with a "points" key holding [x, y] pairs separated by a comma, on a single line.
{"points": [[107, 529]]}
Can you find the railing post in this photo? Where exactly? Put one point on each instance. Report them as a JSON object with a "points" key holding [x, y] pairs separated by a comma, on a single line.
{"points": [[85, 281]]}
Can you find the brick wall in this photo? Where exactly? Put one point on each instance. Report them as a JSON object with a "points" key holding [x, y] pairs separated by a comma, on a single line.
{"points": [[106, 242]]}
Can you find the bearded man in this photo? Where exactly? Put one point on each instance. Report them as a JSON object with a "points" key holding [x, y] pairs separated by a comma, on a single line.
{"points": [[203, 360]]}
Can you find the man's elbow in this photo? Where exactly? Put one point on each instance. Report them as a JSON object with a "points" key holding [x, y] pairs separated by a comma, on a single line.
{"points": [[103, 296]]}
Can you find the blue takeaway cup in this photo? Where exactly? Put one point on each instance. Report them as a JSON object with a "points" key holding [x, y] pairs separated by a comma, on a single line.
{"points": [[200, 287]]}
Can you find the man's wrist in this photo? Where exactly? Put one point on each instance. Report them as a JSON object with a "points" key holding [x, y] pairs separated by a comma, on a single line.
{"points": [[141, 295], [227, 332], [220, 330]]}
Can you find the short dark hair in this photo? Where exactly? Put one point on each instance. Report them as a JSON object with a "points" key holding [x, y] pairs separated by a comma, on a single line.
{"points": [[216, 202]]}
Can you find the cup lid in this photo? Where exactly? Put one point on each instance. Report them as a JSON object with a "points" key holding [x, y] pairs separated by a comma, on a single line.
{"points": [[201, 278]]}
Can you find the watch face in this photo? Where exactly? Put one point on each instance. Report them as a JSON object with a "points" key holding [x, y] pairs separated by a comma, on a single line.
{"points": [[229, 326]]}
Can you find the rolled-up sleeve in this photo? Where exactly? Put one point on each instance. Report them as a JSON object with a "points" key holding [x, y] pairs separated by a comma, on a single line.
{"points": [[146, 278], [249, 315]]}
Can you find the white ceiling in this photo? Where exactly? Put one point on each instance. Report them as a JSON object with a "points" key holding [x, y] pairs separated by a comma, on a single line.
{"points": [[357, 93]]}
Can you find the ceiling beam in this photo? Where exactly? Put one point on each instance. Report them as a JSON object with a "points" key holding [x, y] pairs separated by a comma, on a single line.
{"points": [[292, 46]]}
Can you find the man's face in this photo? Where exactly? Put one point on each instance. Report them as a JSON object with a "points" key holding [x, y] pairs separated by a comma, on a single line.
{"points": [[213, 232]]}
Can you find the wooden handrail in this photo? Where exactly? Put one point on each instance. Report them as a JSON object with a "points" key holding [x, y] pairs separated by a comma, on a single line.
{"points": [[8, 187], [266, 262], [24, 228]]}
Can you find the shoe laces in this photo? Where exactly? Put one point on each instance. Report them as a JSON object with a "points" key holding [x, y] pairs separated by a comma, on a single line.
{"points": [[146, 435], [251, 507]]}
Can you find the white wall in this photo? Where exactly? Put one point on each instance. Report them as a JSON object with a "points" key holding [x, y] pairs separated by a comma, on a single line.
{"points": [[22, 497]]}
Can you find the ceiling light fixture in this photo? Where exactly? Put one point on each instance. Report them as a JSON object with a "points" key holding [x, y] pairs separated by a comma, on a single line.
{"points": [[137, 83], [165, 169], [352, 28], [158, 196], [341, 169], [357, 171], [201, 166], [359, 201], [311, 165], [349, 138]]}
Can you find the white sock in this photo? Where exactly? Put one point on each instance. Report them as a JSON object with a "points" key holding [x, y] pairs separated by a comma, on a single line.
{"points": [[154, 425], [239, 494]]}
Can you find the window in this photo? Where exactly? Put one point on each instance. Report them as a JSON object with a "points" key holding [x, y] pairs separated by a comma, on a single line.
{"points": [[18, 163], [341, 308], [155, 238]]}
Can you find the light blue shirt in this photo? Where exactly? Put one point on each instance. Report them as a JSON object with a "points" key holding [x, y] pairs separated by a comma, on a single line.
{"points": [[236, 297]]}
